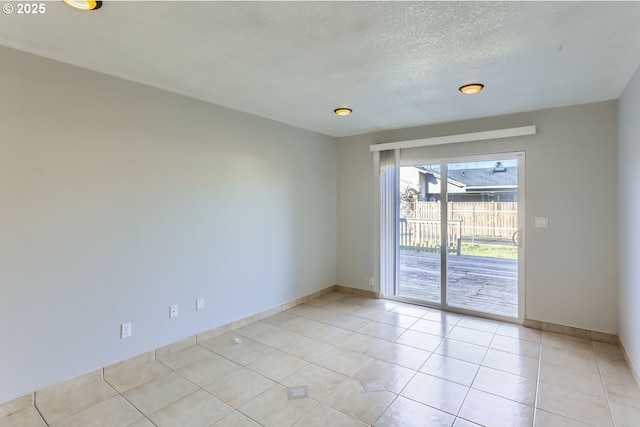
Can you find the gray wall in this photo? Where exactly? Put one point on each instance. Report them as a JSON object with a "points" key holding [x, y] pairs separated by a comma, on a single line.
{"points": [[629, 116], [118, 200], [571, 267]]}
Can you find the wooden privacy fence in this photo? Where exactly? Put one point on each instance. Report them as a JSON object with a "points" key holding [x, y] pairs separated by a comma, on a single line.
{"points": [[424, 235], [477, 219]]}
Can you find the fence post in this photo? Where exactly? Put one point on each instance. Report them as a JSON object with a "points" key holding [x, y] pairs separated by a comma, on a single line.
{"points": [[495, 217], [473, 223]]}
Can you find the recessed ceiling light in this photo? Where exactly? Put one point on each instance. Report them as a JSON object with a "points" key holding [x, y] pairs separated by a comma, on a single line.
{"points": [[84, 4], [343, 111], [471, 88]]}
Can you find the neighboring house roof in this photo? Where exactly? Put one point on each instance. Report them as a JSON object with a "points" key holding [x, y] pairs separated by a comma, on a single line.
{"points": [[450, 179], [486, 177], [480, 179]]}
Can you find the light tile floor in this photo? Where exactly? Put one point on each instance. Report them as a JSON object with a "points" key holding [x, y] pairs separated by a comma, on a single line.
{"points": [[424, 367]]}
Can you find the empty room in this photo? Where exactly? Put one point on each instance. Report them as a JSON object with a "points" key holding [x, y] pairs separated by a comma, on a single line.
{"points": [[317, 213]]}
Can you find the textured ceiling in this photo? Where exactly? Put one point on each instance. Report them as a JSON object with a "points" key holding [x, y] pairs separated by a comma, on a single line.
{"points": [[397, 64]]}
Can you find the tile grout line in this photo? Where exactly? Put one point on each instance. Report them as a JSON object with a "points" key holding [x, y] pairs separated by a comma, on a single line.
{"points": [[535, 401], [41, 416], [189, 394], [576, 391], [276, 383], [466, 395], [480, 366], [372, 359], [604, 388], [407, 384], [443, 338], [495, 334], [320, 402], [131, 403], [83, 409], [474, 377]]}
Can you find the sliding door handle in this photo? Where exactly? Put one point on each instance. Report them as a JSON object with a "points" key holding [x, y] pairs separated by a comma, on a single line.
{"points": [[514, 238]]}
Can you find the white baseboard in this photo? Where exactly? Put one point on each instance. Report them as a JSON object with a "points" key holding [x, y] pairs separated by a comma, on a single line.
{"points": [[632, 367]]}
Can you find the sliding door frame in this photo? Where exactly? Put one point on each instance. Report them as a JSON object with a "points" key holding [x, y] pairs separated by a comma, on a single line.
{"points": [[444, 161]]}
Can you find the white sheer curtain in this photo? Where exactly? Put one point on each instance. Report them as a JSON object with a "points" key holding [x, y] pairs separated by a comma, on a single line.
{"points": [[389, 212]]}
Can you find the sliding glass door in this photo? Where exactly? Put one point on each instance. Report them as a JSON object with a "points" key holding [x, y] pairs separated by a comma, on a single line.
{"points": [[459, 243]]}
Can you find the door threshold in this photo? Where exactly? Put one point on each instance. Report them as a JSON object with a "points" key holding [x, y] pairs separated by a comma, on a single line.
{"points": [[455, 310]]}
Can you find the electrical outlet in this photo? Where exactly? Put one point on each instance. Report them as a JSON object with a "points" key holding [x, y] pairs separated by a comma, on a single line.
{"points": [[125, 330], [173, 312], [200, 304], [371, 281]]}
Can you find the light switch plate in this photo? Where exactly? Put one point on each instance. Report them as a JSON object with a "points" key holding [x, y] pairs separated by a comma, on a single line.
{"points": [[541, 222]]}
